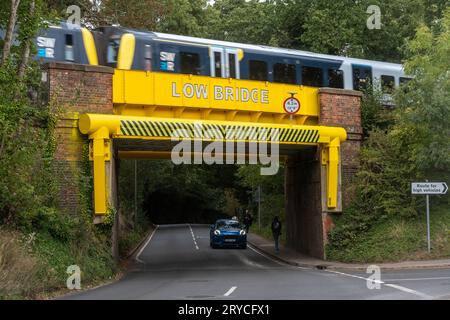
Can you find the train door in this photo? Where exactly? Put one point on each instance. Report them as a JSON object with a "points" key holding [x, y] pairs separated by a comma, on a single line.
{"points": [[217, 59], [224, 63], [232, 64], [362, 76]]}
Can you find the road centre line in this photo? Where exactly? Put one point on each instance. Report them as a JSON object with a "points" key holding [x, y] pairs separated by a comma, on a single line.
{"points": [[230, 291], [145, 245], [193, 237], [401, 288]]}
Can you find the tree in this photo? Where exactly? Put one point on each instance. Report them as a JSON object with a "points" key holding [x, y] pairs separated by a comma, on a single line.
{"points": [[424, 104], [29, 22], [188, 17], [139, 14], [246, 21], [414, 147], [10, 31]]}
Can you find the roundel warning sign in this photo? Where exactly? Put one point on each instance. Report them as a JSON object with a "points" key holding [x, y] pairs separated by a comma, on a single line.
{"points": [[291, 105]]}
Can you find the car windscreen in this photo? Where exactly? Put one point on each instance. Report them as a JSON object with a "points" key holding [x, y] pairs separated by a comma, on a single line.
{"points": [[228, 224]]}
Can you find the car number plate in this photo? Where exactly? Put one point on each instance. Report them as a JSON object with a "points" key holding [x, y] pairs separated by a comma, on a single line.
{"points": [[230, 240]]}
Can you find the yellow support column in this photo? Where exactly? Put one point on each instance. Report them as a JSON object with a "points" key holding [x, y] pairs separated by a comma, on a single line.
{"points": [[332, 163], [100, 154]]}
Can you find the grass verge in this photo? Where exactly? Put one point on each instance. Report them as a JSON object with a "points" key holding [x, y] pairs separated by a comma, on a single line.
{"points": [[399, 239], [33, 266]]}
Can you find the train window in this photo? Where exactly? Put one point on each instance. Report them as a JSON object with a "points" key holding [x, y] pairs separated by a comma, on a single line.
{"points": [[68, 49], [148, 57], [232, 64], [113, 51], [362, 77], [312, 76], [218, 63], [258, 70], [336, 78], [404, 80], [189, 63], [284, 73], [387, 83]]}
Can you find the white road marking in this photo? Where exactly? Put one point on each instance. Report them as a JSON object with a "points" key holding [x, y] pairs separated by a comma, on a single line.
{"points": [[230, 291], [401, 288], [193, 237], [418, 279], [145, 245]]}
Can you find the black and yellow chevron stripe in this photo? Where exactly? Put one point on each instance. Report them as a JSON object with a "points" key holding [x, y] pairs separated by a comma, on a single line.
{"points": [[213, 131]]}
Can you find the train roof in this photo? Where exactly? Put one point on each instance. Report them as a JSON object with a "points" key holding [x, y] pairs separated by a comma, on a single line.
{"points": [[275, 50], [261, 48]]}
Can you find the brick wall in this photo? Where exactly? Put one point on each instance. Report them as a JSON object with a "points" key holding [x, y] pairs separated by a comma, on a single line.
{"points": [[72, 90], [80, 88], [342, 108]]}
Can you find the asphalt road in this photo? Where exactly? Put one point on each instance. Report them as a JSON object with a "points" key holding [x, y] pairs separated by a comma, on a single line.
{"points": [[178, 263]]}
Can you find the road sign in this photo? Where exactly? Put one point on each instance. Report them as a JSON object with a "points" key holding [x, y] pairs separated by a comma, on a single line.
{"points": [[291, 105], [429, 188]]}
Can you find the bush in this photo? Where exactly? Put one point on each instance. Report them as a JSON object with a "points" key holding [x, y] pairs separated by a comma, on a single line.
{"points": [[17, 266]]}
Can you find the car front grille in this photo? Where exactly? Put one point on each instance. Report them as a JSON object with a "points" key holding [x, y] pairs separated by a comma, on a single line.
{"points": [[231, 237]]}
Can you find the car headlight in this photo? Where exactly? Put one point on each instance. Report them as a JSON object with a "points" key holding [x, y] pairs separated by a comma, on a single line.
{"points": [[242, 233], [217, 232]]}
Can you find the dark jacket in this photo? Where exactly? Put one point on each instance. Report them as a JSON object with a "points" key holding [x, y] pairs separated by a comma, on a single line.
{"points": [[248, 220], [276, 227]]}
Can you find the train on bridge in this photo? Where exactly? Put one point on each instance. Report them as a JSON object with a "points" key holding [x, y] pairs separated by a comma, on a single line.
{"points": [[128, 49]]}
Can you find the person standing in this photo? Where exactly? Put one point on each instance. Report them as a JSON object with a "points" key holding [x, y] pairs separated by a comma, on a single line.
{"points": [[248, 220], [276, 231]]}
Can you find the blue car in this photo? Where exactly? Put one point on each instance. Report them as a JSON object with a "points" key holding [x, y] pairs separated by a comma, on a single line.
{"points": [[227, 233]]}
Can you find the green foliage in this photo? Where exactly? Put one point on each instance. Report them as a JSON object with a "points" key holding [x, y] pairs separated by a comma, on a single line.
{"points": [[28, 185], [425, 102], [164, 187], [272, 199], [91, 256], [414, 148], [396, 239], [374, 115], [132, 234]]}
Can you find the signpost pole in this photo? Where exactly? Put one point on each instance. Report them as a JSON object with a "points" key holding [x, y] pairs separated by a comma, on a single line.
{"points": [[428, 223], [429, 188]]}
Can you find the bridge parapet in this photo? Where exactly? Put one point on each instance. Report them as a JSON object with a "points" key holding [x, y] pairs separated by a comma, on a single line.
{"points": [[164, 95]]}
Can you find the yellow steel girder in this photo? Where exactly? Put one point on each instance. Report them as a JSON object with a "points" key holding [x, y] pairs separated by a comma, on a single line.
{"points": [[151, 128], [101, 128], [169, 95]]}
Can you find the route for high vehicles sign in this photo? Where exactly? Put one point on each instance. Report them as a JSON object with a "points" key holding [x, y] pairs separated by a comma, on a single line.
{"points": [[429, 188]]}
